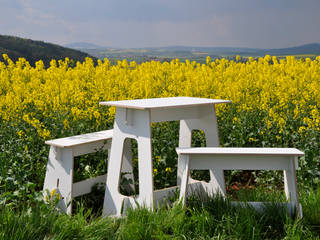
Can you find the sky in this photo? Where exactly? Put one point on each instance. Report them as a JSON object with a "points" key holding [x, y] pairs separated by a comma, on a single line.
{"points": [[157, 23]]}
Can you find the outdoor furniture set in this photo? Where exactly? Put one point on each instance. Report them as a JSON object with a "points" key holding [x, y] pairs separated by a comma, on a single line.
{"points": [[133, 121]]}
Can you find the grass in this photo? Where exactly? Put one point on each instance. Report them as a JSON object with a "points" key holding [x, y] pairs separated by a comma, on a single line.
{"points": [[203, 218]]}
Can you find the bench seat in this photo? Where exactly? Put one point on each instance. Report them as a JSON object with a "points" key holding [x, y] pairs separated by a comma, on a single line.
{"points": [[60, 167], [73, 141], [211, 158], [239, 151]]}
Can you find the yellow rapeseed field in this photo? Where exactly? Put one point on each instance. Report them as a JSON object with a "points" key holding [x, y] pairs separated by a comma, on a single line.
{"points": [[283, 88]]}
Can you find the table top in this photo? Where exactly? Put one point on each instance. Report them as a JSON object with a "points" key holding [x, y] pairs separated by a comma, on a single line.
{"points": [[170, 102]]}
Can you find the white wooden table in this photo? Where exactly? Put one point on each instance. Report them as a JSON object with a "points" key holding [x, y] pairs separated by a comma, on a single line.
{"points": [[133, 120]]}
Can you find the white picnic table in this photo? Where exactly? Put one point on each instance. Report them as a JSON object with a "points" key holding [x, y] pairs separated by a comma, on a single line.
{"points": [[133, 121]]}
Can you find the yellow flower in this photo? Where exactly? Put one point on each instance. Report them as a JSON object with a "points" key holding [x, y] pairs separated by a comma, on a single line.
{"points": [[66, 124], [280, 89], [252, 140], [54, 195], [235, 119], [20, 133], [53, 192], [302, 129], [158, 158], [168, 169]]}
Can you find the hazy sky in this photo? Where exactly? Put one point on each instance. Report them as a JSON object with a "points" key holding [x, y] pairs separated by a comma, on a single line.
{"points": [[149, 23]]}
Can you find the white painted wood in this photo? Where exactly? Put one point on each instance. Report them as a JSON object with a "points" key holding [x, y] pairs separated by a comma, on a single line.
{"points": [[145, 161], [290, 185], [83, 149], [73, 141], [240, 151], [140, 130], [185, 138], [244, 159], [59, 173], [260, 206], [59, 176], [85, 186], [113, 199], [241, 162], [161, 196], [217, 181], [133, 120], [194, 187], [152, 103], [208, 123], [184, 164], [184, 112]]}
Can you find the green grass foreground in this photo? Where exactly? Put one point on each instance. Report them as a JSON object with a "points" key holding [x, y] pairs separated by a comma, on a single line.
{"points": [[203, 218]]}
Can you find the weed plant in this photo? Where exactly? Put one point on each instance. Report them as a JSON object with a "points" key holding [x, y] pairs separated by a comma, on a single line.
{"points": [[203, 218]]}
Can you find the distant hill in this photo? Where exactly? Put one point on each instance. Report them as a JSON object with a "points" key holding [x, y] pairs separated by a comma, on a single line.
{"points": [[33, 51], [82, 45], [200, 52], [312, 49]]}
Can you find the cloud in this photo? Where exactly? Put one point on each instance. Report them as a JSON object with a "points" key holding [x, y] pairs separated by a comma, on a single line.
{"points": [[142, 23]]}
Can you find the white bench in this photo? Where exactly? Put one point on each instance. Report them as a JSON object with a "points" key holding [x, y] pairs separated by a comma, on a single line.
{"points": [[59, 173], [220, 158]]}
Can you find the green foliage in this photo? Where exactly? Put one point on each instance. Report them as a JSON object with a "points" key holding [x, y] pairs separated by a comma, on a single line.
{"points": [[203, 218], [311, 208], [44, 222]]}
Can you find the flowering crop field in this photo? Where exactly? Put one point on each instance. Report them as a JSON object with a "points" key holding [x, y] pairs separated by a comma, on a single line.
{"points": [[275, 103]]}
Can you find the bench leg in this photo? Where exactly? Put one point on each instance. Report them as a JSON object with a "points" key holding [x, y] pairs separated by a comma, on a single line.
{"points": [[59, 176], [208, 123], [184, 164], [290, 186]]}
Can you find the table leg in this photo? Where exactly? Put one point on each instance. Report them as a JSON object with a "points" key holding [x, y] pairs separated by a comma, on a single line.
{"points": [[208, 123], [129, 124]]}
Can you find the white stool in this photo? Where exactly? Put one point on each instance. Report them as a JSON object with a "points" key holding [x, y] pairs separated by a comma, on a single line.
{"points": [[285, 159], [59, 174]]}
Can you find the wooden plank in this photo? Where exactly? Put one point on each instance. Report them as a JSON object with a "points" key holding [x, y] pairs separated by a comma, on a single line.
{"points": [[85, 186], [184, 164], [91, 147], [152, 103], [161, 195], [260, 206], [232, 162], [69, 142], [173, 114], [290, 185], [239, 151]]}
